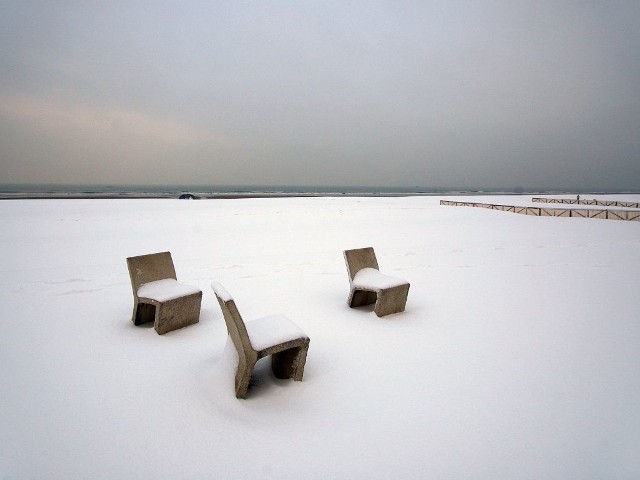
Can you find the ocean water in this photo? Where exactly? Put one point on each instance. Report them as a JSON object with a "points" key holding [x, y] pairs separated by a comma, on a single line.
{"points": [[229, 191], [204, 191]]}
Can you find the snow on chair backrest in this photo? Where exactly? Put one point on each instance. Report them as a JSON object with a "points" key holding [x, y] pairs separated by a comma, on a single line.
{"points": [[235, 325], [358, 259]]}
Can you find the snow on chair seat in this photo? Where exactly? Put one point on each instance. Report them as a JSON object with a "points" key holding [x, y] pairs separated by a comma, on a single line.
{"points": [[165, 290], [273, 335], [157, 295], [368, 285], [272, 330], [371, 279]]}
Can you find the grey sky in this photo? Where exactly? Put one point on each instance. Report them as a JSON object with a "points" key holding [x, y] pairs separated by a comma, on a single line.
{"points": [[501, 93]]}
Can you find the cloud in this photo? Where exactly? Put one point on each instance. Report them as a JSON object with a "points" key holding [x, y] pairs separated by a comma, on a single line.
{"points": [[55, 140], [415, 93], [59, 117]]}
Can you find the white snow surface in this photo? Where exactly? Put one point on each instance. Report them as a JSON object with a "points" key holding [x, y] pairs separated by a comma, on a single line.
{"points": [[165, 289], [272, 330], [518, 355], [221, 292], [372, 279]]}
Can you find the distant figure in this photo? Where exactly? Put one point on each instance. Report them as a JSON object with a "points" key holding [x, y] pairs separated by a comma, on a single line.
{"points": [[578, 197]]}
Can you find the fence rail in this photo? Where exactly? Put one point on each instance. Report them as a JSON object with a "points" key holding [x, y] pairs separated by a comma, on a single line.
{"points": [[609, 214], [575, 201]]}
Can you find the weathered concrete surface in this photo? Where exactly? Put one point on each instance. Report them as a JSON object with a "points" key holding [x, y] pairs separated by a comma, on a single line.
{"points": [[169, 314], [390, 298], [288, 357]]}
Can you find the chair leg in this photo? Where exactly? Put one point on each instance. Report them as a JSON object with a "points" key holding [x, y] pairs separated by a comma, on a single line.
{"points": [[134, 316], [143, 313], [243, 377], [290, 363], [359, 298], [178, 313], [392, 300], [283, 363], [300, 362]]}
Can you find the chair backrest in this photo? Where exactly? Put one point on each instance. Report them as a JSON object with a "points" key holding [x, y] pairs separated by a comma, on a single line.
{"points": [[148, 268], [358, 259], [235, 325]]}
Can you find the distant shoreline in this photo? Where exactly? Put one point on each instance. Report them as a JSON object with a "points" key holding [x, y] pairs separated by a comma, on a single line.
{"points": [[241, 195], [198, 196], [207, 192]]}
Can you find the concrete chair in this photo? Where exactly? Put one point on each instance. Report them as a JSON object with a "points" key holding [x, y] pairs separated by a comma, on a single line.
{"points": [[157, 295], [369, 286], [274, 335]]}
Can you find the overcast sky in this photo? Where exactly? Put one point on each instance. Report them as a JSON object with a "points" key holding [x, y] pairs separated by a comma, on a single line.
{"points": [[482, 94]]}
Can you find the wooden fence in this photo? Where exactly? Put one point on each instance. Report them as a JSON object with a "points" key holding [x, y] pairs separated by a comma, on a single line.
{"points": [[575, 201], [629, 215]]}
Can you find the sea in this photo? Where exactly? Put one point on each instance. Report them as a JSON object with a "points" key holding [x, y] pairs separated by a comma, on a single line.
{"points": [[16, 191]]}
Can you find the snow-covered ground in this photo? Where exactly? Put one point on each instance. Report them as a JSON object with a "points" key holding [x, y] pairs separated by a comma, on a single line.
{"points": [[518, 355]]}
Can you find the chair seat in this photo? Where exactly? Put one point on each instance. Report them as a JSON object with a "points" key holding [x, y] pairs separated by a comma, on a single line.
{"points": [[371, 279], [165, 290], [272, 330]]}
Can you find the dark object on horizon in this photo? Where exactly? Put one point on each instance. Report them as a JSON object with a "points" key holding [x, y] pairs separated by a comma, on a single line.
{"points": [[187, 196]]}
